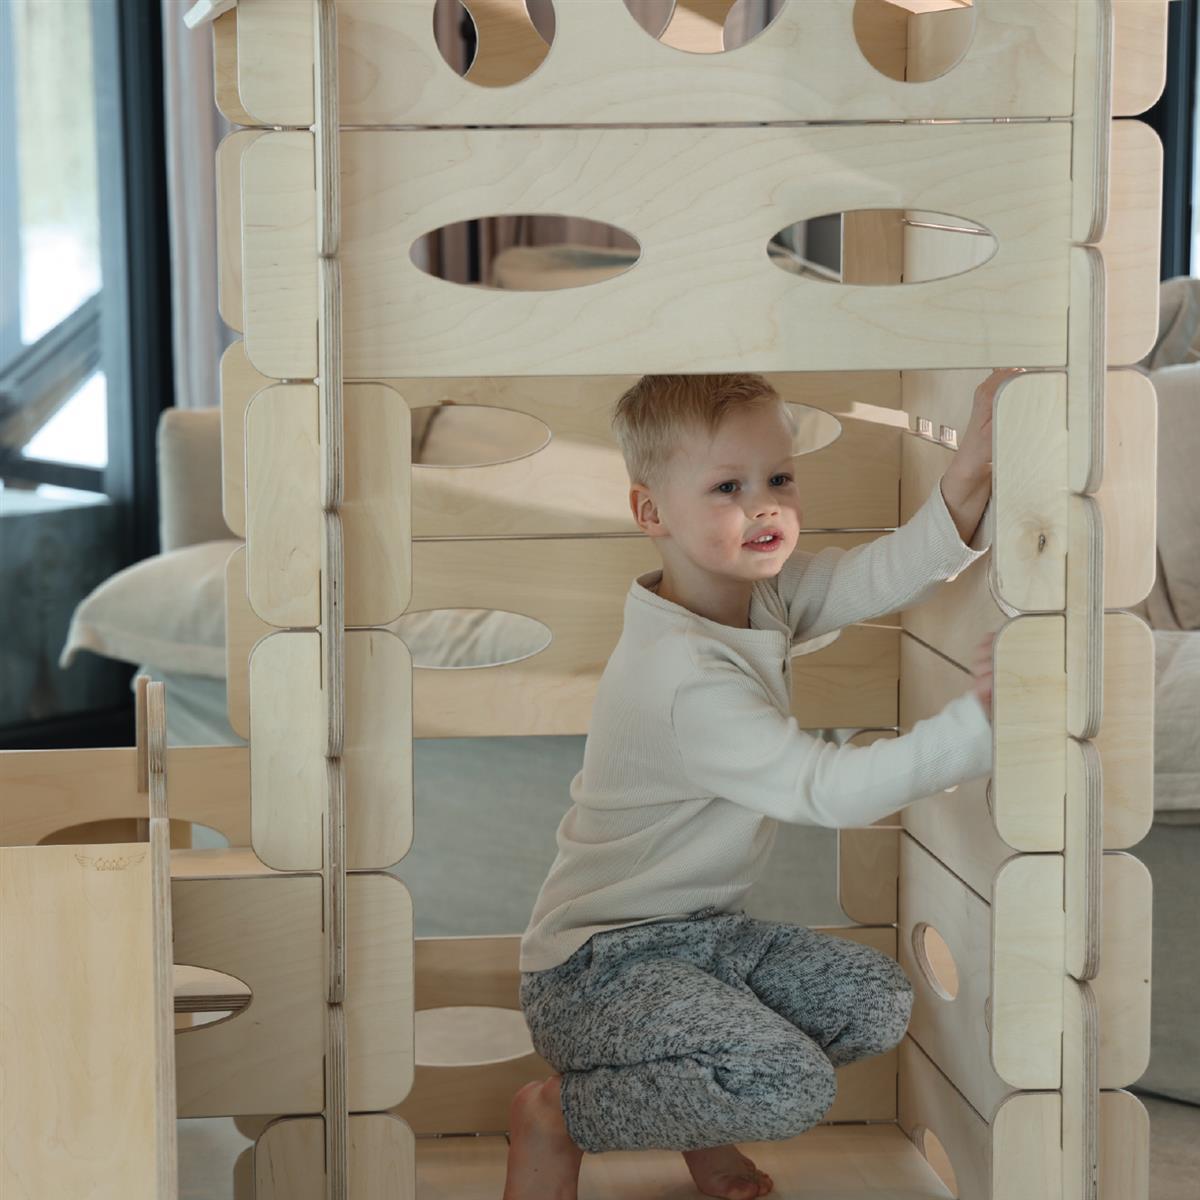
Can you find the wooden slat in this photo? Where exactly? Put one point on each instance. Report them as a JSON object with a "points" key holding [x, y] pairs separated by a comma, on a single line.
{"points": [[78, 1012], [225, 69], [652, 183], [266, 931], [805, 66], [229, 225], [46, 791], [243, 631]]}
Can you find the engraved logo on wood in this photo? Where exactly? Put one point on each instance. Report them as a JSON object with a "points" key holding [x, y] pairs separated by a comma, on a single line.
{"points": [[116, 863]]}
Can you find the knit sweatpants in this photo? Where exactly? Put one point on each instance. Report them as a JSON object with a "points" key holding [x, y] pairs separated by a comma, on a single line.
{"points": [[710, 1029]]}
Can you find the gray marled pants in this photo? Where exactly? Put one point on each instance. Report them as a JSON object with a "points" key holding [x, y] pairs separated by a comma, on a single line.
{"points": [[711, 1029]]}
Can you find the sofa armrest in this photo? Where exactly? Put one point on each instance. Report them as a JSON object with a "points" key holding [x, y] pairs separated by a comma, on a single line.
{"points": [[189, 478]]}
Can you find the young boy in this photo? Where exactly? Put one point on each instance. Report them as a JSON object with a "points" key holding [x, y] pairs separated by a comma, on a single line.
{"points": [[675, 1020]]}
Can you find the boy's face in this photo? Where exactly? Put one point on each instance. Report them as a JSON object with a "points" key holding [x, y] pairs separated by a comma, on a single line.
{"points": [[720, 493]]}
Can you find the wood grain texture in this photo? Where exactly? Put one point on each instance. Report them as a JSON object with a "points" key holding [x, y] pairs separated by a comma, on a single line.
{"points": [[806, 65], [240, 383], [244, 629], [656, 184], [78, 1013]]}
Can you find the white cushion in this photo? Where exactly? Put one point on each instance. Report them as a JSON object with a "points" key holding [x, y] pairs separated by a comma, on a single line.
{"points": [[168, 610]]}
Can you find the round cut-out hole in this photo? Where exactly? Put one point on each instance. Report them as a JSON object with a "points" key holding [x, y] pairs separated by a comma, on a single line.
{"points": [[935, 1155], [914, 46], [702, 26], [935, 960], [538, 262], [473, 435], [466, 638], [493, 43], [470, 1036], [206, 997], [921, 240], [814, 429]]}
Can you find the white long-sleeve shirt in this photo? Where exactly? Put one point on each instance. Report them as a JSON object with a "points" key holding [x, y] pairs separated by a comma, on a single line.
{"points": [[693, 757]]}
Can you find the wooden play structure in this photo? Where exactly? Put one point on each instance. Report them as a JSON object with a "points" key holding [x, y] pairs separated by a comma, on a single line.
{"points": [[998, 211]]}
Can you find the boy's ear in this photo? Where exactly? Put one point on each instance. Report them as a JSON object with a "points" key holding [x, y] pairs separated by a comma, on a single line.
{"points": [[645, 510]]}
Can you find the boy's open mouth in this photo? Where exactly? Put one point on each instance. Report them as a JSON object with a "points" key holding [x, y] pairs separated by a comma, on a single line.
{"points": [[772, 539]]}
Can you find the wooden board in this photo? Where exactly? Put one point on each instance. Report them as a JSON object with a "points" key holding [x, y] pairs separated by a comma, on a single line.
{"points": [[398, 185], [78, 1013], [289, 1159], [265, 930], [47, 791], [283, 490], [996, 965], [850, 484], [806, 65], [288, 769]]}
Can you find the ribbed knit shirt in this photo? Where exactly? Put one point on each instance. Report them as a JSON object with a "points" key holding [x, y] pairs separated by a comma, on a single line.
{"points": [[693, 755]]}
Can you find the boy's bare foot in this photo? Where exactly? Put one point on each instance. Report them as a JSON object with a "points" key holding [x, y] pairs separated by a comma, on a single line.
{"points": [[726, 1172], [543, 1162]]}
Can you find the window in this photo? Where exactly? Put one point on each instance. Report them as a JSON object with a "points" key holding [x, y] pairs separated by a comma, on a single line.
{"points": [[83, 260]]}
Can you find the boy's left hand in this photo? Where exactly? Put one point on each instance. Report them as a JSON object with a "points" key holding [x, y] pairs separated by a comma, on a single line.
{"points": [[973, 462]]}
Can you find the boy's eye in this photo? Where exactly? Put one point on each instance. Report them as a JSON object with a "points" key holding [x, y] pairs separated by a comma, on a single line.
{"points": [[733, 483]]}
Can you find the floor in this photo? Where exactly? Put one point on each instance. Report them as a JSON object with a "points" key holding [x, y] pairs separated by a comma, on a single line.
{"points": [[208, 1149]]}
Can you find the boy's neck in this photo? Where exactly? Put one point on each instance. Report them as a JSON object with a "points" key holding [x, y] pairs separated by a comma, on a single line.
{"points": [[732, 609]]}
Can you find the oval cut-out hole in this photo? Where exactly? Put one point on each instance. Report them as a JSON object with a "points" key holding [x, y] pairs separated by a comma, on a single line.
{"points": [[473, 435], [882, 246], [702, 26], [207, 997], [460, 638], [914, 47], [470, 1036], [493, 43], [538, 262], [935, 1155], [125, 829], [935, 960], [814, 428]]}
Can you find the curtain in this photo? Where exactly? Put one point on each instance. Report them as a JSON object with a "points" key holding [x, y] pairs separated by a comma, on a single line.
{"points": [[193, 129]]}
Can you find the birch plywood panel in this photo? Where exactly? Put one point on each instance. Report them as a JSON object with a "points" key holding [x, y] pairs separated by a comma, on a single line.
{"points": [[582, 585], [288, 767], [78, 1009], [240, 383], [46, 792], [283, 491], [266, 931], [1016, 1156], [289, 1159], [704, 296], [243, 630], [997, 968], [807, 65], [851, 484]]}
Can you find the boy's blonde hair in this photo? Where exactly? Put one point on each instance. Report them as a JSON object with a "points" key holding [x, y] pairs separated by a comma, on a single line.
{"points": [[653, 415]]}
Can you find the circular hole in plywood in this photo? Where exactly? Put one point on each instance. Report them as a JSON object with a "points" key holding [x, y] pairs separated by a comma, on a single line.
{"points": [[493, 43], [935, 1155], [813, 428], [935, 960], [470, 1036], [914, 42], [702, 26]]}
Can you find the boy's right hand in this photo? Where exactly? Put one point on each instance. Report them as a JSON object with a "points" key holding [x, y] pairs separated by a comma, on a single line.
{"points": [[981, 668]]}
